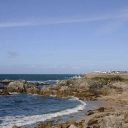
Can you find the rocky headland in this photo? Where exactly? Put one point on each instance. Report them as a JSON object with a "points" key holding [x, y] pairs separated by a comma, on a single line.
{"points": [[110, 87]]}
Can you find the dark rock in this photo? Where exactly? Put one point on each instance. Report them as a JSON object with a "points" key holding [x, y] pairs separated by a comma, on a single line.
{"points": [[90, 112], [101, 109], [15, 126], [3, 92], [92, 121], [126, 117]]}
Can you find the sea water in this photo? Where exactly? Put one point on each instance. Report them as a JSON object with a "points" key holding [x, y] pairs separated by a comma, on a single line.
{"points": [[40, 78], [36, 77], [24, 109]]}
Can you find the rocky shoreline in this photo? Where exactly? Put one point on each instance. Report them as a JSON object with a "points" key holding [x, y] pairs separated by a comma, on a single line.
{"points": [[112, 88]]}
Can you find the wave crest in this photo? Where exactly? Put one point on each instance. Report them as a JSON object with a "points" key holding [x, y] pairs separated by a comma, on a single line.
{"points": [[10, 121]]}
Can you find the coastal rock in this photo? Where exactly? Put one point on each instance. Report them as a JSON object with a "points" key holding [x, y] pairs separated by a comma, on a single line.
{"points": [[74, 83], [16, 86], [90, 112], [92, 122], [120, 85], [64, 88], [126, 117], [3, 92], [106, 121], [23, 86], [101, 109], [6, 82], [112, 121], [15, 126], [32, 90], [72, 126]]}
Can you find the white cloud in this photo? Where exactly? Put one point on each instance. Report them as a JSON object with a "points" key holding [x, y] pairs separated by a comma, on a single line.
{"points": [[122, 16]]}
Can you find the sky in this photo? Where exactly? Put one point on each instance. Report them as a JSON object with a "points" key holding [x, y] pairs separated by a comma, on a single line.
{"points": [[63, 36]]}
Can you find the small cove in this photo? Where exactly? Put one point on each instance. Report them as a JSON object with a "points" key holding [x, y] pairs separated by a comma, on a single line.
{"points": [[25, 109]]}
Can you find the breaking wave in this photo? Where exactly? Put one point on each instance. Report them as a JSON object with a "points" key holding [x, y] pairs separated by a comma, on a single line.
{"points": [[10, 121]]}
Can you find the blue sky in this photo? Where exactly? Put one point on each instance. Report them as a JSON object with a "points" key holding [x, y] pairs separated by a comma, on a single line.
{"points": [[63, 36]]}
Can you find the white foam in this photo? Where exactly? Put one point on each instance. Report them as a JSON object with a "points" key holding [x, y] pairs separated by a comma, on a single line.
{"points": [[42, 82], [10, 121], [77, 99], [13, 93], [34, 81]]}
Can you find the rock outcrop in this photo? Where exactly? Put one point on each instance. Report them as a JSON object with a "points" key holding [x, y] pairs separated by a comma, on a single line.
{"points": [[84, 87], [16, 86], [4, 92]]}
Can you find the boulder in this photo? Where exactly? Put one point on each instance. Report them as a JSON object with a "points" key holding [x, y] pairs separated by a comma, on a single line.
{"points": [[16, 86], [101, 109], [72, 126], [90, 112], [15, 126], [112, 121], [64, 88], [126, 117], [92, 122], [32, 90], [3, 92]]}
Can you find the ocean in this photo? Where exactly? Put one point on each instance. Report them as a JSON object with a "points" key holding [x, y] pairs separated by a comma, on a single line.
{"points": [[36, 77], [26, 109], [40, 78]]}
